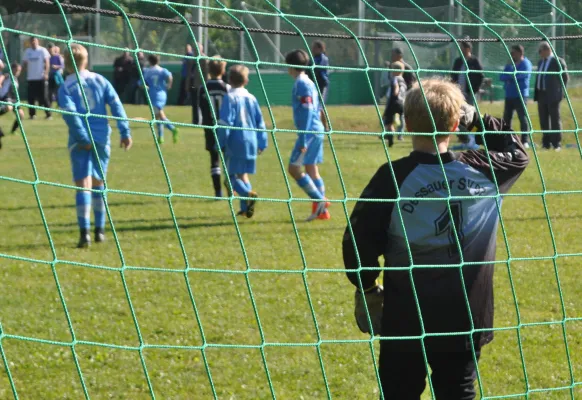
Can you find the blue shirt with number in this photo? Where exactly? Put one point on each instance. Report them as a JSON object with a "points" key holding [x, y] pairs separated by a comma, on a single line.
{"points": [[156, 79], [99, 93]]}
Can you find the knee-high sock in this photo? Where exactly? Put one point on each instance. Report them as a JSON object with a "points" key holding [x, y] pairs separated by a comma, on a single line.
{"points": [[241, 188], [168, 124], [309, 187], [243, 203], [160, 130], [83, 202], [98, 207], [320, 185]]}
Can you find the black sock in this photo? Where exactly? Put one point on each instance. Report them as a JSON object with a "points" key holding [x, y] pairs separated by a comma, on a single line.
{"points": [[14, 126], [1, 135], [216, 184]]}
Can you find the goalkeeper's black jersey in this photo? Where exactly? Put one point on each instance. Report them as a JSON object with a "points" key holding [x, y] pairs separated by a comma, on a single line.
{"points": [[433, 239], [217, 89]]}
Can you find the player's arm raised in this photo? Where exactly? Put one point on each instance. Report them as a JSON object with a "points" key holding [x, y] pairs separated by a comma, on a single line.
{"points": [[118, 111]]}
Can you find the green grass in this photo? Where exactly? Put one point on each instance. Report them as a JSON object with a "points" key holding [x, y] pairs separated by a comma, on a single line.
{"points": [[103, 324]]}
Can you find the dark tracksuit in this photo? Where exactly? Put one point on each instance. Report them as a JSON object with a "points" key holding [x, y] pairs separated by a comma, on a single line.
{"points": [[217, 89], [426, 233]]}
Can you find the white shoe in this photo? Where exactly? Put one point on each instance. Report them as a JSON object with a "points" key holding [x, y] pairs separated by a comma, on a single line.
{"points": [[320, 209], [559, 148], [526, 145]]}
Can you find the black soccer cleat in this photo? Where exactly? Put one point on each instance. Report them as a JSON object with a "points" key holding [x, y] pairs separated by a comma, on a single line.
{"points": [[84, 240], [99, 235], [251, 203]]}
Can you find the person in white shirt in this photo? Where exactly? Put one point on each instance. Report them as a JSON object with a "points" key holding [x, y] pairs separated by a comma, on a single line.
{"points": [[36, 62]]}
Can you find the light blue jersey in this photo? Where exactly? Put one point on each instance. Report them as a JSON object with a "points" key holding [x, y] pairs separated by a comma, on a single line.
{"points": [[241, 109], [306, 108], [99, 93], [156, 79]]}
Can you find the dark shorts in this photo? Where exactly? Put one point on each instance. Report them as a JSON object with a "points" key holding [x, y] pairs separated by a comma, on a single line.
{"points": [[210, 140], [391, 110]]}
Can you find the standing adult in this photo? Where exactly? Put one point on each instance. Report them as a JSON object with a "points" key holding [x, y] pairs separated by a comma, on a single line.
{"points": [[136, 93], [549, 93], [517, 90], [36, 61], [198, 74], [469, 83], [57, 65], [409, 76], [184, 74], [122, 67]]}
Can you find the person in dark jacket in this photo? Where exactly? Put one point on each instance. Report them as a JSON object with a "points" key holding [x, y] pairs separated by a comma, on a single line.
{"points": [[469, 82], [549, 93], [320, 76], [122, 67], [433, 216], [184, 73]]}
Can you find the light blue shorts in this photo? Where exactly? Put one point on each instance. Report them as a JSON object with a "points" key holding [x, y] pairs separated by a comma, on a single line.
{"points": [[314, 153], [241, 166], [85, 163]]}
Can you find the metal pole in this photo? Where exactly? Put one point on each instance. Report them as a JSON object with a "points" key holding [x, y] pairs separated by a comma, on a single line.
{"points": [[553, 14], [97, 32], [277, 37], [361, 16], [481, 15], [198, 18], [460, 18], [206, 39]]}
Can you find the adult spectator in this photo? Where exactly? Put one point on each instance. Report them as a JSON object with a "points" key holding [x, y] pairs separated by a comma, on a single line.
{"points": [[471, 86], [184, 74], [198, 74], [549, 94], [408, 75], [57, 65], [122, 67], [36, 61], [136, 93], [468, 86], [516, 94]]}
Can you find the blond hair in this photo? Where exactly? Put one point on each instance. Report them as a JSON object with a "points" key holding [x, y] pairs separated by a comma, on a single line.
{"points": [[78, 55], [216, 66], [444, 100], [238, 75]]}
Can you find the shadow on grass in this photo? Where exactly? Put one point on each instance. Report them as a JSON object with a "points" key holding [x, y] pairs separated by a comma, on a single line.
{"points": [[68, 205]]}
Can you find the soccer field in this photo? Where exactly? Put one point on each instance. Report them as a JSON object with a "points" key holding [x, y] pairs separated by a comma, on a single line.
{"points": [[126, 321]]}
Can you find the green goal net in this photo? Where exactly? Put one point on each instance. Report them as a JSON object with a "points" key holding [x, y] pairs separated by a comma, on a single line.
{"points": [[187, 300]]}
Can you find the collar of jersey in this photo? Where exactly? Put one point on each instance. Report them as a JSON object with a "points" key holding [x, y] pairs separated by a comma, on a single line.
{"points": [[429, 158]]}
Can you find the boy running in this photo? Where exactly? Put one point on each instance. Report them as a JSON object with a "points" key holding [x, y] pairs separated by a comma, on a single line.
{"points": [[449, 307], [308, 150], [210, 106], [240, 109], [158, 81], [90, 164]]}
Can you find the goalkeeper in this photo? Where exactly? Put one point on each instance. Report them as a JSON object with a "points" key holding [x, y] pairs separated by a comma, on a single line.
{"points": [[448, 231]]}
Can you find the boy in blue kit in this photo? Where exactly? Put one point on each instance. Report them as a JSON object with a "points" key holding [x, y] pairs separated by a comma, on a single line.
{"points": [[308, 150], [158, 81], [90, 164], [240, 109]]}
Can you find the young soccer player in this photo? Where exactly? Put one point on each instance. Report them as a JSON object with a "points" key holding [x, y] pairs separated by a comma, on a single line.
{"points": [[8, 95], [321, 76], [431, 301], [308, 150], [90, 164], [210, 106], [394, 99], [158, 81], [240, 109]]}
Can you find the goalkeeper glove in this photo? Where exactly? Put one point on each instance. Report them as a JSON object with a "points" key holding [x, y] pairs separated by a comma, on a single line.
{"points": [[470, 119], [374, 300]]}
